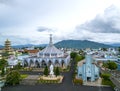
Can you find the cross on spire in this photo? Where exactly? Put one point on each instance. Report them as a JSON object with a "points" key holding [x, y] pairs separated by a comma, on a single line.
{"points": [[50, 43]]}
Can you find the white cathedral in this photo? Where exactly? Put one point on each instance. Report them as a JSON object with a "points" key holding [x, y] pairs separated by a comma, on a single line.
{"points": [[47, 56]]}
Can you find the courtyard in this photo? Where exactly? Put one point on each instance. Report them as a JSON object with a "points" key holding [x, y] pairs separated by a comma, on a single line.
{"points": [[66, 85]]}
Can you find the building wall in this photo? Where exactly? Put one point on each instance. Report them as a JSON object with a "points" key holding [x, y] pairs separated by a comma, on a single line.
{"points": [[55, 61], [88, 71]]}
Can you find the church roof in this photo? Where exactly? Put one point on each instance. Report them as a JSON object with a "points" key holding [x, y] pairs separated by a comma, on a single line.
{"points": [[51, 49]]}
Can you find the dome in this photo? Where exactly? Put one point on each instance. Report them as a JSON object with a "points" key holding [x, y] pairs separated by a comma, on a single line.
{"points": [[50, 50]]}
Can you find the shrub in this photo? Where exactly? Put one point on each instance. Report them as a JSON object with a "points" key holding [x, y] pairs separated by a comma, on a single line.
{"points": [[105, 76], [78, 81], [106, 80]]}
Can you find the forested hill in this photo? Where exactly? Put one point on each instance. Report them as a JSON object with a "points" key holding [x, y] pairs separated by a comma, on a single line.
{"points": [[78, 44]]}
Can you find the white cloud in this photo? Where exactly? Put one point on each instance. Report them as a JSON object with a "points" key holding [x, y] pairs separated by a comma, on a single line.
{"points": [[22, 20], [103, 28]]}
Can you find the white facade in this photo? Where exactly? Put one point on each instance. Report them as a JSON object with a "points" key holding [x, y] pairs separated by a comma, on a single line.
{"points": [[49, 55], [12, 61]]}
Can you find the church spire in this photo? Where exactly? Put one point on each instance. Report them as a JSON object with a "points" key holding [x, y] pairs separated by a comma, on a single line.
{"points": [[50, 43]]}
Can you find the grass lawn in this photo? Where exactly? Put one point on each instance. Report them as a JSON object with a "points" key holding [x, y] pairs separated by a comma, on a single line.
{"points": [[108, 82], [23, 76]]}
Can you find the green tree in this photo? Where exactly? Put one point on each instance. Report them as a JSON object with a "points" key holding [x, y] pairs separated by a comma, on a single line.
{"points": [[105, 65], [18, 66], [112, 65], [46, 72], [2, 71], [73, 55], [119, 49], [13, 78], [81, 52], [3, 64], [57, 72], [104, 49], [5, 54]]}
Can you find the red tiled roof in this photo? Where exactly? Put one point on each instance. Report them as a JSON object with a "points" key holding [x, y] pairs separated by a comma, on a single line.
{"points": [[32, 51]]}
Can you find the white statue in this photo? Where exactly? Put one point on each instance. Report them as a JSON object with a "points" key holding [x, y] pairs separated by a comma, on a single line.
{"points": [[51, 70]]}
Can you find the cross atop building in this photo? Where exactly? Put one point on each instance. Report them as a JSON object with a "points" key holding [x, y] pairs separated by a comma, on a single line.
{"points": [[50, 43]]}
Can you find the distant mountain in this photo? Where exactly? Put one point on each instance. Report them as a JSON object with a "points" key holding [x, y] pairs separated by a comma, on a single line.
{"points": [[1, 46], [79, 44], [116, 44], [76, 44], [24, 46], [29, 45]]}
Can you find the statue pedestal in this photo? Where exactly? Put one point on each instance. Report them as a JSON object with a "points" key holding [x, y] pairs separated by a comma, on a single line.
{"points": [[52, 76], [57, 79]]}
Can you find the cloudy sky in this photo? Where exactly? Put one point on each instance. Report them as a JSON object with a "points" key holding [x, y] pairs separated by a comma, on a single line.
{"points": [[31, 21]]}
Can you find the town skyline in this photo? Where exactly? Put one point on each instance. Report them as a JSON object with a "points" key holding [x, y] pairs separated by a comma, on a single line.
{"points": [[31, 22]]}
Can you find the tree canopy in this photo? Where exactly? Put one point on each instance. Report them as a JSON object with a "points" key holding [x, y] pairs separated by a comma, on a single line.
{"points": [[13, 78], [46, 72], [110, 65], [3, 64], [73, 55], [57, 72]]}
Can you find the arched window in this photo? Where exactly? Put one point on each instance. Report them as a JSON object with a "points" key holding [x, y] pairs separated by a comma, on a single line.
{"points": [[37, 64], [43, 63], [25, 63], [57, 63], [49, 62], [62, 62], [31, 63]]}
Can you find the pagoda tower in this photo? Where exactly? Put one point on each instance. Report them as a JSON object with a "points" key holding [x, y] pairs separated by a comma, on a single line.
{"points": [[8, 48]]}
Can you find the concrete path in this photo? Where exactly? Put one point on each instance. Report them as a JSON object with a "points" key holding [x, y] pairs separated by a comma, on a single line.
{"points": [[30, 80]]}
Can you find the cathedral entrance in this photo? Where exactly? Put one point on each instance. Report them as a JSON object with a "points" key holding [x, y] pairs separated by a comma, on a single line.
{"points": [[31, 63], [43, 64], [57, 63], [49, 63], [63, 63], [88, 78], [37, 64], [25, 63]]}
